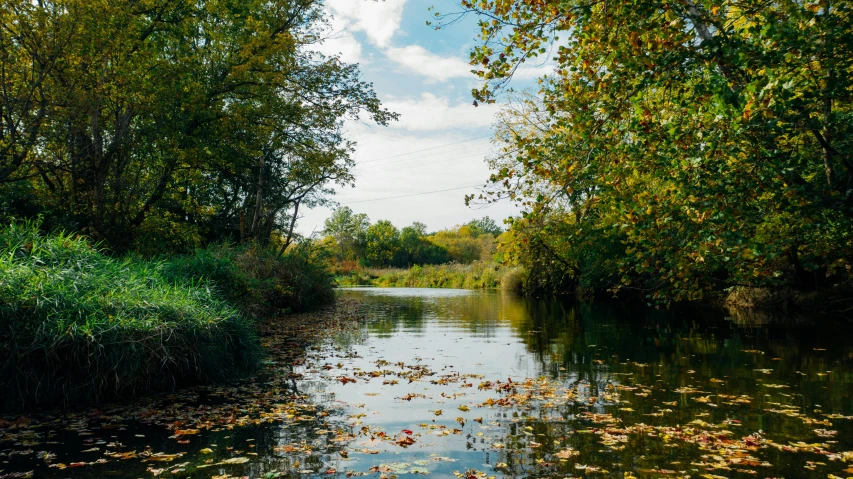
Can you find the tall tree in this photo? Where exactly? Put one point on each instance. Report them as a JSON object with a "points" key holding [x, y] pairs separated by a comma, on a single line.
{"points": [[710, 140], [218, 115], [349, 232]]}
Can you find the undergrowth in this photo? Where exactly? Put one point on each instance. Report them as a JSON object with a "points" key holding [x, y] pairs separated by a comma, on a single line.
{"points": [[78, 326], [259, 281], [479, 275]]}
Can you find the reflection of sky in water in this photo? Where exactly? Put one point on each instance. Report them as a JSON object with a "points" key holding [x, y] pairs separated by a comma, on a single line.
{"points": [[600, 347], [411, 292], [743, 373]]}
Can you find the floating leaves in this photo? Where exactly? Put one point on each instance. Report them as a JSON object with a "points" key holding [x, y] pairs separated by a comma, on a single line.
{"points": [[549, 426], [566, 454]]}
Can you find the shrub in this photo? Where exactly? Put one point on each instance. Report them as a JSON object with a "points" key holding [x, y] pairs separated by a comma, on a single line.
{"points": [[478, 275], [78, 326], [258, 280], [513, 280]]}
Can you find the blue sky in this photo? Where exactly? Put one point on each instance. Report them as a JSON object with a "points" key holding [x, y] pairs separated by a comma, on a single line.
{"points": [[441, 139]]}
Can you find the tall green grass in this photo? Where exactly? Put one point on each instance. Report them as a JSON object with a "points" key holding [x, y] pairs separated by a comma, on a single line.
{"points": [[259, 281], [78, 326], [478, 275]]}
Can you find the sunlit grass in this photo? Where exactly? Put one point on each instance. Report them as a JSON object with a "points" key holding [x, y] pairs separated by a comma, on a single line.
{"points": [[80, 326], [479, 275]]}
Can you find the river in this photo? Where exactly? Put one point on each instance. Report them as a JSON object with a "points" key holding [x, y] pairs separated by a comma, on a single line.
{"points": [[453, 383]]}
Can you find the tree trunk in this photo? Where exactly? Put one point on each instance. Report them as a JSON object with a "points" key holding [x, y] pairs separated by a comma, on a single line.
{"points": [[259, 197], [290, 230]]}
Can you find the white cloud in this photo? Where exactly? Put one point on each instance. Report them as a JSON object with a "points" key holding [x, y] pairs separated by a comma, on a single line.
{"points": [[432, 113], [533, 72], [419, 60], [402, 163], [380, 20], [340, 41]]}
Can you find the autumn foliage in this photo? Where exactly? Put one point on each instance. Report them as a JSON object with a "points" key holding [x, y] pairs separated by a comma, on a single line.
{"points": [[676, 149]]}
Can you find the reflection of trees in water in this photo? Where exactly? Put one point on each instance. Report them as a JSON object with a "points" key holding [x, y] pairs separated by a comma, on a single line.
{"points": [[474, 313], [605, 345], [588, 340], [578, 336], [598, 342]]}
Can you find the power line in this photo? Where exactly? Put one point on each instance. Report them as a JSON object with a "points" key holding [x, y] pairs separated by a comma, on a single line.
{"points": [[425, 163], [419, 157], [413, 194], [418, 151]]}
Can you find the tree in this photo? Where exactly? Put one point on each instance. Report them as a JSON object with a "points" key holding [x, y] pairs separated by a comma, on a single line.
{"points": [[349, 232], [709, 141], [30, 46], [417, 249], [218, 118], [381, 244], [461, 244], [484, 225]]}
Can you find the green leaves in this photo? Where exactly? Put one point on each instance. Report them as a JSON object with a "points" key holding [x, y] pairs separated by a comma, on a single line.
{"points": [[680, 133], [174, 120]]}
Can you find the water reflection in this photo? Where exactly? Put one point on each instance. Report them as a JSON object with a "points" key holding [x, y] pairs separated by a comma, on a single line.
{"points": [[488, 384], [781, 380]]}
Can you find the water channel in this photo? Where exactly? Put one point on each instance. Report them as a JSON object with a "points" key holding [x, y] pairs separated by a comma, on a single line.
{"points": [[452, 383]]}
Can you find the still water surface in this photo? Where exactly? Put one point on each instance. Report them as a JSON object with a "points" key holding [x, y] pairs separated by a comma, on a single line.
{"points": [[451, 383]]}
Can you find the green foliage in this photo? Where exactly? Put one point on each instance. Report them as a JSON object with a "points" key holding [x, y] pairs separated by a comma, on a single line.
{"points": [[260, 281], [676, 149], [78, 326], [416, 248], [350, 237], [478, 275], [465, 244], [160, 126], [348, 232], [484, 225], [381, 243]]}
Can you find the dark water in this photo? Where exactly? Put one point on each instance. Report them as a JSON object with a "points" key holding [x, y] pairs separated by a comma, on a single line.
{"points": [[484, 384]]}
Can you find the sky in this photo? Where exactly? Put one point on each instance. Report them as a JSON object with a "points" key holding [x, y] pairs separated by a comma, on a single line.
{"points": [[441, 139]]}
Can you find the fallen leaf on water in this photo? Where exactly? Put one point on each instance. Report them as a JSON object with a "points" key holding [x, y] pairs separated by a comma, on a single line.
{"points": [[566, 453], [405, 441], [163, 457]]}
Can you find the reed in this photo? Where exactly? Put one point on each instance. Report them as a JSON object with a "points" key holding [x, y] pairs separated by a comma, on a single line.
{"points": [[77, 326]]}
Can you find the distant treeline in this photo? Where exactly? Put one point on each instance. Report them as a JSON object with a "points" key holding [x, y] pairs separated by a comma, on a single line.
{"points": [[352, 242]]}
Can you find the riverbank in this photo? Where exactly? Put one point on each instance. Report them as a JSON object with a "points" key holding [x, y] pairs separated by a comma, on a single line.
{"points": [[488, 275], [185, 433], [478, 275], [80, 327]]}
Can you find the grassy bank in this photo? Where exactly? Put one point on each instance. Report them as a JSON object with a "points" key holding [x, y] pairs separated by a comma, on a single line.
{"points": [[258, 281], [479, 275], [78, 326]]}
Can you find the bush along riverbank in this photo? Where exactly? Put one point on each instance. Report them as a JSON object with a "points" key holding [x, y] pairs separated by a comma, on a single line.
{"points": [[78, 326], [478, 275]]}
